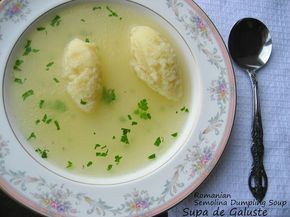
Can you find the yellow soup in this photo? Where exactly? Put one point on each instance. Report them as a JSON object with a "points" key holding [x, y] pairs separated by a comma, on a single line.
{"points": [[113, 139]]}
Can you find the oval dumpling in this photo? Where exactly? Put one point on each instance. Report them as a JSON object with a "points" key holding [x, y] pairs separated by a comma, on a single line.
{"points": [[154, 62], [82, 72]]}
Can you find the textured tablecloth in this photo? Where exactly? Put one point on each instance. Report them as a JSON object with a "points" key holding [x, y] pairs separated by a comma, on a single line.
{"points": [[229, 178], [231, 174]]}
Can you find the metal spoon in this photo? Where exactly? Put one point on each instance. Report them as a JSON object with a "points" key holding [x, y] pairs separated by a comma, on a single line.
{"points": [[250, 45]]}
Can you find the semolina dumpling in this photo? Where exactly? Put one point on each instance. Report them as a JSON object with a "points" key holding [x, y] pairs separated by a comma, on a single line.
{"points": [[82, 72], [154, 62]]}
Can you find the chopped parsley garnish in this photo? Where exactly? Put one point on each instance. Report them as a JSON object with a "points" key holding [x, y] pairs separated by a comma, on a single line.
{"points": [[117, 159], [44, 118], [32, 136], [143, 105], [129, 117], [184, 109], [28, 49], [41, 103], [97, 145], [27, 94], [102, 154], [40, 28], [114, 137], [83, 102], [108, 95], [57, 125], [174, 134], [17, 64], [48, 121], [49, 65], [103, 147], [90, 163], [83, 20], [18, 80], [134, 123], [112, 13], [152, 156], [56, 80], [42, 153], [69, 164], [97, 8], [55, 21], [110, 166], [87, 40], [158, 141], [37, 121], [124, 137], [142, 110]]}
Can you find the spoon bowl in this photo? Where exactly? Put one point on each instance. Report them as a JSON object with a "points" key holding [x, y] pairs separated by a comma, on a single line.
{"points": [[250, 45]]}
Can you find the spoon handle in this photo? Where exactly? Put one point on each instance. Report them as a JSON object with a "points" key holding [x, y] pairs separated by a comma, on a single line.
{"points": [[258, 181]]}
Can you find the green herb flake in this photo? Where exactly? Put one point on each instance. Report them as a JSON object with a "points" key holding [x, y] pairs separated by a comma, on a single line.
{"points": [[112, 13], [49, 65], [103, 147], [90, 163], [83, 20], [143, 105], [55, 21], [97, 8], [41, 103], [57, 125], [48, 121], [27, 94], [174, 134], [37, 121], [44, 118], [42, 153], [152, 156], [142, 110], [56, 80], [87, 40], [134, 123], [83, 102], [28, 49], [117, 159], [40, 28], [18, 80], [32, 136], [158, 141], [108, 95], [17, 65], [102, 154], [129, 117], [114, 137], [97, 145], [69, 164], [110, 166], [184, 109], [124, 137]]}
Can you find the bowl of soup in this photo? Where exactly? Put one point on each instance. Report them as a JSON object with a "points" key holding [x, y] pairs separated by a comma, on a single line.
{"points": [[118, 108]]}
